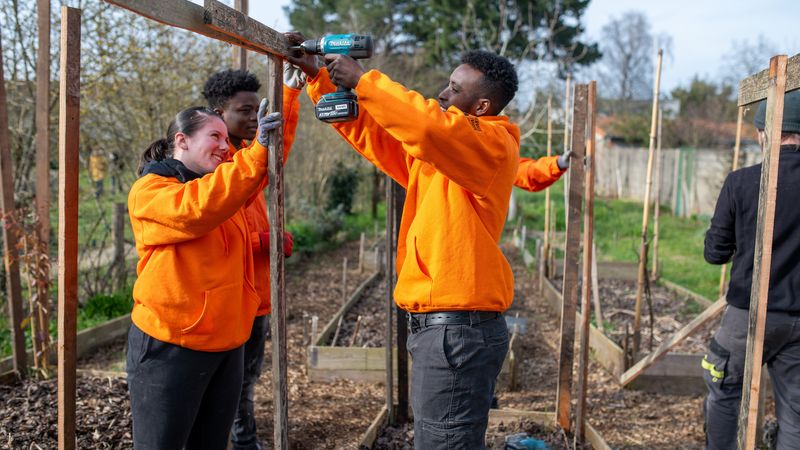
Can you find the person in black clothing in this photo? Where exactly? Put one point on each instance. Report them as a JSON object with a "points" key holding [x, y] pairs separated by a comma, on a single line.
{"points": [[732, 236]]}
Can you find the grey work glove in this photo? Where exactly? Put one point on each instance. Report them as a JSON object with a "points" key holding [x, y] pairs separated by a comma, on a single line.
{"points": [[563, 160], [293, 76], [267, 123]]}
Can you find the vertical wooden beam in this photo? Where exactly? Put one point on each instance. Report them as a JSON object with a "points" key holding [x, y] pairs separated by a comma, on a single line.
{"points": [[277, 281], [390, 305], [736, 150], [546, 249], [642, 272], [571, 250], [41, 341], [402, 321], [240, 53], [762, 260], [9, 232], [657, 201], [567, 103], [588, 235], [68, 166], [118, 236]]}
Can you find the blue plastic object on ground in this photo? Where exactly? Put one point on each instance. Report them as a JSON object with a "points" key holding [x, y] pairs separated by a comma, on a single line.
{"points": [[522, 441]]}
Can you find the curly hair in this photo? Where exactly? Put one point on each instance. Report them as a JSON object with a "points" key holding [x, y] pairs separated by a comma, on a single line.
{"points": [[500, 81], [221, 86]]}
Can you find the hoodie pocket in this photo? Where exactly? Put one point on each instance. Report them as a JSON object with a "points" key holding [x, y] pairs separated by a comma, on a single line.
{"points": [[223, 307]]}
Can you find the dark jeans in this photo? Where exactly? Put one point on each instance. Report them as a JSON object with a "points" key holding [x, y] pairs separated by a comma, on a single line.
{"points": [[181, 398], [724, 374], [243, 433], [454, 370]]}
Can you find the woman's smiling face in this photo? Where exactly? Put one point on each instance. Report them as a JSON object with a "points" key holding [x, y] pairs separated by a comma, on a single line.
{"points": [[204, 150]]}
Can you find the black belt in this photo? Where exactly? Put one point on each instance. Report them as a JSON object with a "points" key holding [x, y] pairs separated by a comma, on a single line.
{"points": [[417, 321]]}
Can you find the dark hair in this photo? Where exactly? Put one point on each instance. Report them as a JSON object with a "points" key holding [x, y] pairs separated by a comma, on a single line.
{"points": [[187, 122], [499, 76], [221, 86]]}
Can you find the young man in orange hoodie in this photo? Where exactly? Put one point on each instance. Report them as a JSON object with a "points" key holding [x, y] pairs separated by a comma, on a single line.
{"points": [[457, 160], [233, 94]]}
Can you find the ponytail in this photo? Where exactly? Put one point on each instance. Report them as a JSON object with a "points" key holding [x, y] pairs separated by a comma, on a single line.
{"points": [[187, 122]]}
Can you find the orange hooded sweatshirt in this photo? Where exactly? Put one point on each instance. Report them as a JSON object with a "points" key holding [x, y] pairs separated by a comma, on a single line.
{"points": [[256, 212], [458, 171], [195, 283], [537, 174]]}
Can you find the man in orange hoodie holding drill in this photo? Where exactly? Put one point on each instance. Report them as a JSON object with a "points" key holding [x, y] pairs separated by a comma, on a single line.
{"points": [[457, 160]]}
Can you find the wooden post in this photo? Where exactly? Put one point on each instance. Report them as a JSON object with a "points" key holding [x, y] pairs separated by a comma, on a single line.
{"points": [[570, 286], [551, 258], [240, 53], [523, 238], [10, 235], [344, 281], [763, 253], [118, 235], [355, 332], [390, 305], [314, 328], [657, 201], [68, 166], [546, 250], [276, 261], [568, 89], [642, 272], [361, 249], [41, 340], [402, 321], [598, 310], [588, 244], [736, 149]]}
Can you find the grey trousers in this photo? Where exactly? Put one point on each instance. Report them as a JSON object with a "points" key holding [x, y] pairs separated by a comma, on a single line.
{"points": [[724, 374], [243, 432], [454, 370], [181, 398]]}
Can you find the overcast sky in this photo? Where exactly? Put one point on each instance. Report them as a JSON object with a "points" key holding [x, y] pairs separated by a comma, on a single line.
{"points": [[702, 31]]}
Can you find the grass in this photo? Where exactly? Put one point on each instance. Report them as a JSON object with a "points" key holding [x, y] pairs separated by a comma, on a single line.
{"points": [[618, 226]]}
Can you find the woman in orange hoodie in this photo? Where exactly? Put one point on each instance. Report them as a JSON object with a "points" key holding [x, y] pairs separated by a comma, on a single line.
{"points": [[194, 299]]}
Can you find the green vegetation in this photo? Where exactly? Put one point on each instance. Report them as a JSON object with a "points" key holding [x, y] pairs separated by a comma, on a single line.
{"points": [[618, 226]]}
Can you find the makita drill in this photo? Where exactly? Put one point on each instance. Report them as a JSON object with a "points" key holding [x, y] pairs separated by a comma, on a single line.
{"points": [[342, 105]]}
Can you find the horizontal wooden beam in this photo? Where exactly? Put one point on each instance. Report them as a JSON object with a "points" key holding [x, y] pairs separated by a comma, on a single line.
{"points": [[238, 25], [181, 14], [754, 88]]}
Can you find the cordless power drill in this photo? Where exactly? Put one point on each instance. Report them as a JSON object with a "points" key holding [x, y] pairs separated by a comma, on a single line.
{"points": [[342, 105]]}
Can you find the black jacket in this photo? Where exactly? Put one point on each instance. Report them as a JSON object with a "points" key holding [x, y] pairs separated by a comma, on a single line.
{"points": [[733, 234]]}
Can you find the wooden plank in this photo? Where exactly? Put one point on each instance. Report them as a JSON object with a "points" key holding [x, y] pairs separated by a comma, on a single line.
{"points": [[706, 316], [368, 438], [330, 327], [41, 306], [240, 53], [401, 413], [755, 87], [546, 251], [586, 288], [181, 14], [542, 418], [9, 231], [390, 305], [276, 263], [227, 20], [642, 272], [762, 260], [595, 439], [68, 167], [570, 288]]}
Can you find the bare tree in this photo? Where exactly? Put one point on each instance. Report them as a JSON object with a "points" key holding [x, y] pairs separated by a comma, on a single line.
{"points": [[745, 58]]}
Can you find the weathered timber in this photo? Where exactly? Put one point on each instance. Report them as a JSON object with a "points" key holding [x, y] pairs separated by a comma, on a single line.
{"points": [[570, 289], [755, 87], [68, 167], [227, 20], [240, 53], [762, 259]]}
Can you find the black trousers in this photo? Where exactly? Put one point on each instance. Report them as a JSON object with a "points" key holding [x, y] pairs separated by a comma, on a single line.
{"points": [[454, 371], [181, 398]]}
